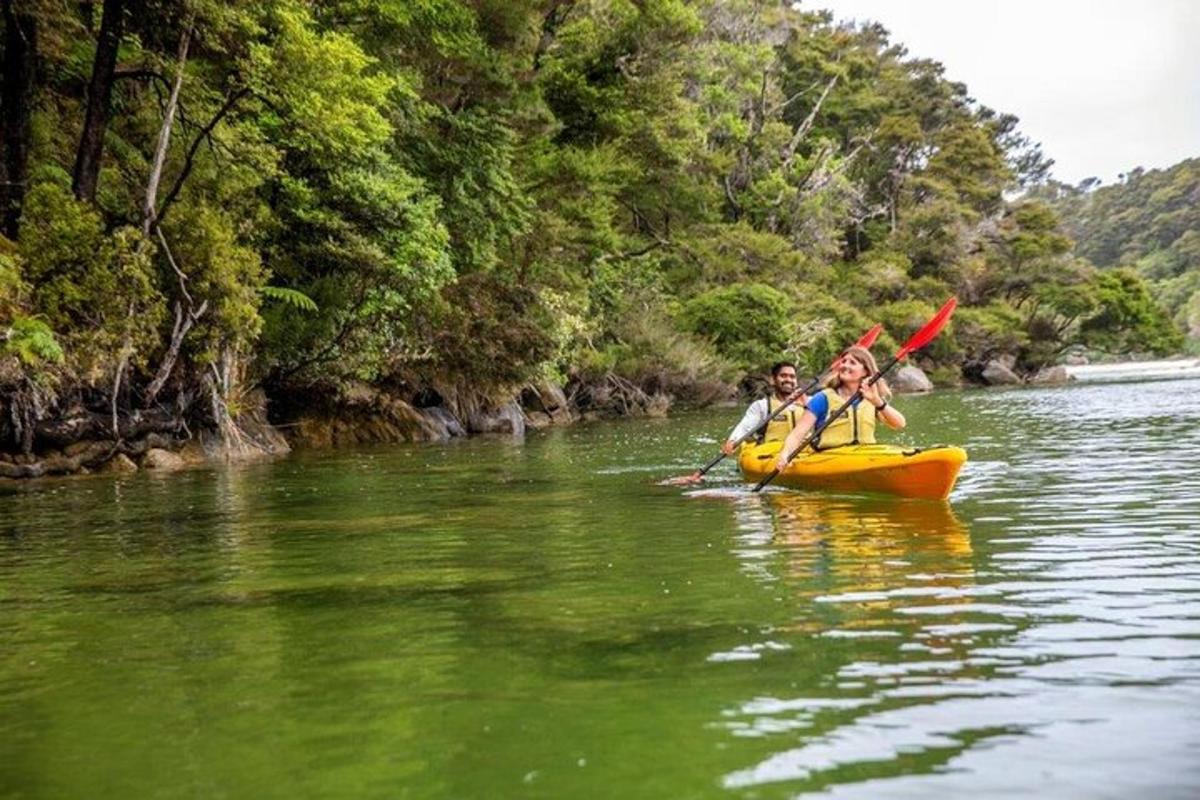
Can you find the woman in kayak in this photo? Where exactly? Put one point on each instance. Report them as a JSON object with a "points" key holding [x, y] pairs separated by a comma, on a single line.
{"points": [[857, 424]]}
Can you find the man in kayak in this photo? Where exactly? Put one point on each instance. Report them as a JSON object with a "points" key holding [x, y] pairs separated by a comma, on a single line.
{"points": [[857, 425], [783, 388]]}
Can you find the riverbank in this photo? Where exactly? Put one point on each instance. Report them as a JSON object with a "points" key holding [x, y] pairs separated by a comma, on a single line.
{"points": [[84, 441], [363, 415]]}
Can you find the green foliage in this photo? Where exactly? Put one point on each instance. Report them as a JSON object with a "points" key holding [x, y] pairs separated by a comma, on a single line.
{"points": [[651, 351], [823, 327], [11, 286], [295, 299], [491, 333], [223, 272], [748, 323], [905, 317], [719, 255], [969, 166], [98, 289], [32, 342], [468, 159], [1149, 221], [485, 193], [325, 99], [984, 332], [1128, 318]]}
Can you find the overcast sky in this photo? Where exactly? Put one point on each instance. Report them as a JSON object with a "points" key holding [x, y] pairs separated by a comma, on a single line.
{"points": [[1104, 85]]}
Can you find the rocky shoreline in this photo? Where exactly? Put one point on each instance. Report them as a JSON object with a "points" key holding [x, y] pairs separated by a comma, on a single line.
{"points": [[360, 414]]}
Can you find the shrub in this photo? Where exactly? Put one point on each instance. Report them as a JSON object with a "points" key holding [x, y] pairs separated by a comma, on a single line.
{"points": [[747, 323]]}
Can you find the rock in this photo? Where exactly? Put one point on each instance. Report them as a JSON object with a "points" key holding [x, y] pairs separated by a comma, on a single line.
{"points": [[119, 464], [911, 380], [507, 418], [262, 436], [546, 398], [193, 453], [157, 458], [1076, 360], [658, 405], [997, 374], [75, 448], [367, 416], [538, 420], [1051, 376], [440, 423]]}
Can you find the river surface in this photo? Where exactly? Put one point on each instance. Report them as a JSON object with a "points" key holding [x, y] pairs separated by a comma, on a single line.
{"points": [[492, 618]]}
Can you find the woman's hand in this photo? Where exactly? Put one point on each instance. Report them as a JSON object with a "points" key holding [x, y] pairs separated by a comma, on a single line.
{"points": [[870, 393], [794, 438]]}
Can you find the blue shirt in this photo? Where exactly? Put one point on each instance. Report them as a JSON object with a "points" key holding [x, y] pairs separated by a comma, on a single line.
{"points": [[819, 406]]}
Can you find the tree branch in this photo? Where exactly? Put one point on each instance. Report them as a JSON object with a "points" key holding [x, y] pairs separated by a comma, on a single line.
{"points": [[789, 152], [190, 159], [149, 208]]}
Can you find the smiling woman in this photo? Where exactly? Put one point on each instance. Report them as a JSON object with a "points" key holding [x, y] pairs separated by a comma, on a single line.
{"points": [[868, 402]]}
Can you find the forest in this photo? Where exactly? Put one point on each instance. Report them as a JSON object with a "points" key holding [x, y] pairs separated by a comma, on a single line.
{"points": [[394, 219], [1148, 223]]}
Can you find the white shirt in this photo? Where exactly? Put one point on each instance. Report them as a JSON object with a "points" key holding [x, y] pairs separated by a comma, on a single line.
{"points": [[756, 415]]}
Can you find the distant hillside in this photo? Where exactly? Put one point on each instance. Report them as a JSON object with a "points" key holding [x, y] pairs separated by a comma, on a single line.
{"points": [[1151, 222]]}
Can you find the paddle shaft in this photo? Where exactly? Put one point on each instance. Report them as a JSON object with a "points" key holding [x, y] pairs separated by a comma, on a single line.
{"points": [[841, 410]]}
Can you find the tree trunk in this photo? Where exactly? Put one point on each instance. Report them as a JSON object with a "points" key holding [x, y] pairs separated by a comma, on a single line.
{"points": [[95, 123], [149, 217], [16, 99]]}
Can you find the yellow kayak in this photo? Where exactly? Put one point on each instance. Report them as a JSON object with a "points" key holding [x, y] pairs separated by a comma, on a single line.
{"points": [[906, 471]]}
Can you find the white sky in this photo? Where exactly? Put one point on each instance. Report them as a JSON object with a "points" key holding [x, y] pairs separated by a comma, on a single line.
{"points": [[1104, 85]]}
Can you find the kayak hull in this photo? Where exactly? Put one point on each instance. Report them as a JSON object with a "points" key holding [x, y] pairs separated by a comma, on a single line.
{"points": [[927, 473]]}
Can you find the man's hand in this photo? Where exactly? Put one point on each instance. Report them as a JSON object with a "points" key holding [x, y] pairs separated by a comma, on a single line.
{"points": [[728, 447]]}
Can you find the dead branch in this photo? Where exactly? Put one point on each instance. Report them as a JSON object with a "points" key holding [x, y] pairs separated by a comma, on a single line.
{"points": [[164, 133], [789, 152]]}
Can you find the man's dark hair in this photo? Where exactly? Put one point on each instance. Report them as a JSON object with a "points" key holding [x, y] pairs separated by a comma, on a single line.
{"points": [[778, 365]]}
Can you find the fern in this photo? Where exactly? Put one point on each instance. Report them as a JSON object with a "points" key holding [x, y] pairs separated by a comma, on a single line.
{"points": [[294, 298], [31, 341]]}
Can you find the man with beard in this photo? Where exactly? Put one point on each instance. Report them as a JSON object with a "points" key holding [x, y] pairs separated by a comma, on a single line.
{"points": [[783, 386]]}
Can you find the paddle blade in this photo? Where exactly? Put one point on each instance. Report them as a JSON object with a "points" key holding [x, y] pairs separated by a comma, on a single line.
{"points": [[931, 329], [683, 480], [870, 336]]}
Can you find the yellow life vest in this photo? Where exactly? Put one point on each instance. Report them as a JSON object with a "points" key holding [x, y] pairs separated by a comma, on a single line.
{"points": [[856, 426], [778, 429]]}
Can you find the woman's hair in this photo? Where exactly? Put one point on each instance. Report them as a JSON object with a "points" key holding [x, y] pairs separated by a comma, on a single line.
{"points": [[864, 357]]}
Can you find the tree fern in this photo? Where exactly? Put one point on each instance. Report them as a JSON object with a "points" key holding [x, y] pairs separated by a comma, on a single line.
{"points": [[293, 297], [31, 341]]}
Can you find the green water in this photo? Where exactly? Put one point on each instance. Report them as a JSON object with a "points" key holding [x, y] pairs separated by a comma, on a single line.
{"points": [[492, 618]]}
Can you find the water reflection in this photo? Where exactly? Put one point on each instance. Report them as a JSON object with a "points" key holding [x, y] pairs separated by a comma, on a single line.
{"points": [[1063, 621], [897, 578]]}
